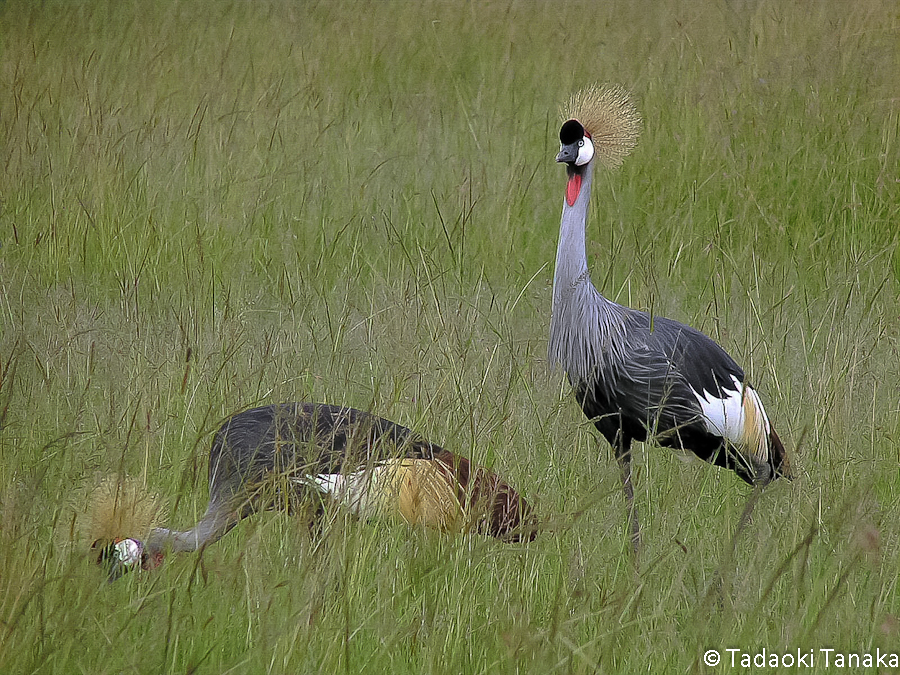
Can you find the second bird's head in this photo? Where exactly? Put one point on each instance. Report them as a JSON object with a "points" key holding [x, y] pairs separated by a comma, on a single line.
{"points": [[575, 145]]}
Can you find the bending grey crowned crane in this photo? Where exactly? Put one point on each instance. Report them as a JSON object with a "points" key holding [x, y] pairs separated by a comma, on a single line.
{"points": [[638, 376], [294, 455]]}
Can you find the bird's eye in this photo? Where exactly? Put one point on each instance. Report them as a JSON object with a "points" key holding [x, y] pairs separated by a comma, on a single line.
{"points": [[581, 143]]}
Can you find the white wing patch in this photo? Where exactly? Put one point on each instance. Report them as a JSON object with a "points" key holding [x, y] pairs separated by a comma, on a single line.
{"points": [[329, 483], [362, 492], [418, 491], [738, 417], [723, 416]]}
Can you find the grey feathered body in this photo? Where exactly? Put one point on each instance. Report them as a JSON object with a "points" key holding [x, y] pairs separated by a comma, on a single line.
{"points": [[271, 457], [636, 376], [260, 456]]}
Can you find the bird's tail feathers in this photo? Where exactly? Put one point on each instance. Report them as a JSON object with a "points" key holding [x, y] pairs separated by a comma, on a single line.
{"points": [[778, 456], [491, 505]]}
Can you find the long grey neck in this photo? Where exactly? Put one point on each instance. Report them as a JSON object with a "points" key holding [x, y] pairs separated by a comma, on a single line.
{"points": [[571, 255], [584, 326], [215, 523]]}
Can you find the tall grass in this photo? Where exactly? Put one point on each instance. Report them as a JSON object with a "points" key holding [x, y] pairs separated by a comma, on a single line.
{"points": [[207, 207]]}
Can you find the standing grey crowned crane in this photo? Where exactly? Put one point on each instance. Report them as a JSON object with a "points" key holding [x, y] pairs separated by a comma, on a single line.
{"points": [[636, 376]]}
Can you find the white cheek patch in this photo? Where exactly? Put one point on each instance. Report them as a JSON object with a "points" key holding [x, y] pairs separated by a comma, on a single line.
{"points": [[129, 551], [585, 152]]}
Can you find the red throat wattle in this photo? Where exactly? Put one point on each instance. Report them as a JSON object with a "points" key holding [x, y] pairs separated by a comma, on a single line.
{"points": [[573, 188]]}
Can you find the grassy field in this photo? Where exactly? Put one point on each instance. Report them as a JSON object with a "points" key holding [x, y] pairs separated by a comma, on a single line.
{"points": [[209, 206]]}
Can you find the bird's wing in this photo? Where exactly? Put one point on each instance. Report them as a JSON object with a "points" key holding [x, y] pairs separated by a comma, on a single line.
{"points": [[730, 407], [649, 388], [681, 388]]}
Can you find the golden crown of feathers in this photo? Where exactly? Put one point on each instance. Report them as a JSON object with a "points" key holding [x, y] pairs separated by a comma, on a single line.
{"points": [[608, 114]]}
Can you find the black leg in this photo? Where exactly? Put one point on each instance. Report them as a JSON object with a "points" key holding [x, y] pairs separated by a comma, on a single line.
{"points": [[623, 456]]}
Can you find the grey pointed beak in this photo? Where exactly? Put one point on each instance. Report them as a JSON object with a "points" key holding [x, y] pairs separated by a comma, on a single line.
{"points": [[567, 153]]}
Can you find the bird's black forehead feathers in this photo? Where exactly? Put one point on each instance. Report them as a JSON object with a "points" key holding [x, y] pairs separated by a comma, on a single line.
{"points": [[571, 132]]}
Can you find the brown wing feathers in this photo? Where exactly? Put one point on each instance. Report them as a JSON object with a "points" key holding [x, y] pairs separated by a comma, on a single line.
{"points": [[491, 505]]}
